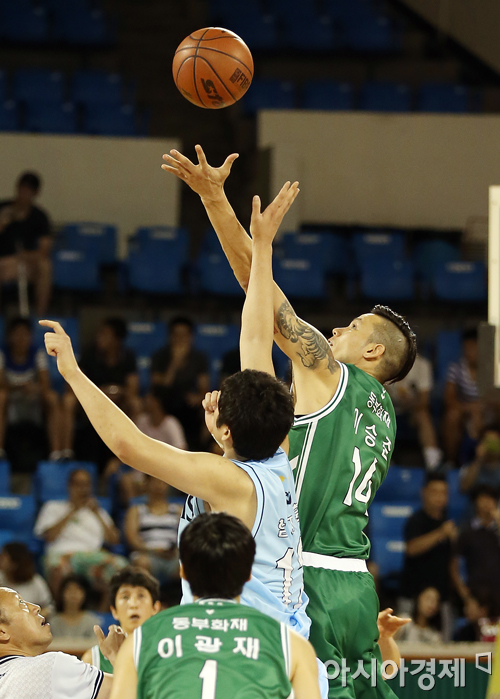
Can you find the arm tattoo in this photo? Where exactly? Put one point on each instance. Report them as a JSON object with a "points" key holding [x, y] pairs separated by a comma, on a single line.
{"points": [[312, 347]]}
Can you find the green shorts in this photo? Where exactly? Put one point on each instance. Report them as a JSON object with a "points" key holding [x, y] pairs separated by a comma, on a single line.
{"points": [[343, 608]]}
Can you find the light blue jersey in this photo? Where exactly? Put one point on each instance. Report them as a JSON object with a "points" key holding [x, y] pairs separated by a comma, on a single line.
{"points": [[277, 584]]}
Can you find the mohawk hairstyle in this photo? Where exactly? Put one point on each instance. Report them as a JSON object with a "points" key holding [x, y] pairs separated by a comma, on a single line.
{"points": [[399, 369]]}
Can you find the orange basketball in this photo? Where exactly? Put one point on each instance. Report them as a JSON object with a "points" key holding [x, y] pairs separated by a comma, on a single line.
{"points": [[213, 68]]}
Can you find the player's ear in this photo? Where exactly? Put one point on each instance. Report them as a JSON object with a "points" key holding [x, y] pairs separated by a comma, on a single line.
{"points": [[226, 436], [373, 350], [157, 607], [114, 612], [4, 633], [182, 574]]}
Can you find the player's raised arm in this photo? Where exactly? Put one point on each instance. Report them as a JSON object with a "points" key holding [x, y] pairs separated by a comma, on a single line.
{"points": [[257, 320], [125, 672], [208, 476]]}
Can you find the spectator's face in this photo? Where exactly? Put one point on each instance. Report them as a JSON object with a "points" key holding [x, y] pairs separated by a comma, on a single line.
{"points": [[485, 505], [181, 334], [26, 195], [133, 605], [348, 344], [20, 338], [470, 351], [156, 488], [428, 602], [24, 627], [491, 442], [152, 404], [80, 486], [106, 339], [73, 596], [435, 496]]}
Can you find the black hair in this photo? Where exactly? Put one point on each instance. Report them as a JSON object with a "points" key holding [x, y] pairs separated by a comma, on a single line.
{"points": [[258, 409], [217, 552], [484, 489], [171, 593], [181, 320], [74, 471], [18, 321], [22, 558], [118, 326], [135, 577], [434, 478], [80, 580], [398, 363], [469, 334], [31, 180], [435, 622]]}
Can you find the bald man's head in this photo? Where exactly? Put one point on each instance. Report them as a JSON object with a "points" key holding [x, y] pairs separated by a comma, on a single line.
{"points": [[400, 342]]}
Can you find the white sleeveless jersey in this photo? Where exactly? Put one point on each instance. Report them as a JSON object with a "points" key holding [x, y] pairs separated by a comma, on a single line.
{"points": [[48, 676], [277, 584]]}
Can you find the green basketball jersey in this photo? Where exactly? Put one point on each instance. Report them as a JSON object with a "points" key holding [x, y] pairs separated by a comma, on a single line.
{"points": [[100, 662], [340, 455], [212, 649]]}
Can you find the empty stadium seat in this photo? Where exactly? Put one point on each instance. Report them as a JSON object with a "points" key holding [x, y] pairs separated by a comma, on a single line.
{"points": [[388, 280], [385, 97], [448, 349], [371, 34], [375, 247], [51, 478], [110, 120], [96, 239], [8, 116], [95, 86], [176, 240], [79, 25], [389, 519], [298, 279], [51, 118], [269, 93], [327, 251], [401, 485], [435, 97], [460, 281], [216, 276], [388, 553], [429, 254], [38, 85], [255, 27], [327, 95], [21, 23], [75, 270], [4, 477], [157, 258], [215, 340], [17, 512], [305, 31]]}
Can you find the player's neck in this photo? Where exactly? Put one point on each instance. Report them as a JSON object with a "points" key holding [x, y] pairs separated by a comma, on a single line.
{"points": [[13, 649], [230, 453], [218, 598], [368, 367]]}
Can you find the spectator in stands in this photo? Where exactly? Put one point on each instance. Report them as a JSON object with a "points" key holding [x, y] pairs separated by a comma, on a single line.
{"points": [[463, 411], [429, 537], [479, 544], [151, 531], [75, 531], [25, 392], [182, 373], [424, 626], [411, 399], [25, 239], [485, 469], [73, 620], [112, 367], [18, 571], [476, 608]]}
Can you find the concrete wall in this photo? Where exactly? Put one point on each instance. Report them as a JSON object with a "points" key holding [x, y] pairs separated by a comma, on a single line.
{"points": [[415, 170], [88, 178]]}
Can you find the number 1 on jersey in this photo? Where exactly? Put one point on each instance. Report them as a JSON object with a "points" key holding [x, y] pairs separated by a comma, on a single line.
{"points": [[208, 675], [364, 490]]}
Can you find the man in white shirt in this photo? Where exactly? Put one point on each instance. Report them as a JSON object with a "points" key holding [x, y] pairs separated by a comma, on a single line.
{"points": [[28, 672], [75, 531]]}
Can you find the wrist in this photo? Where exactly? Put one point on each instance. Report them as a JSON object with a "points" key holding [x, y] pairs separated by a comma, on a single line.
{"points": [[215, 198]]}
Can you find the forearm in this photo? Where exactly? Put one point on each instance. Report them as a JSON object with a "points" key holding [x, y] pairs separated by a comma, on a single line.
{"points": [[390, 651], [470, 476], [53, 532], [422, 544], [233, 238]]}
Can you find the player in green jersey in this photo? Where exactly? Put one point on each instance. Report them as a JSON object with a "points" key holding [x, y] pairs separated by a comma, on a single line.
{"points": [[215, 648], [134, 596], [340, 444]]}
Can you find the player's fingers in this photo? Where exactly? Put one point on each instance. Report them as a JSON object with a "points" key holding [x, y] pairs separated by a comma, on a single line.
{"points": [[228, 162], [56, 327], [177, 164], [178, 173], [182, 159], [202, 158], [99, 633], [256, 206]]}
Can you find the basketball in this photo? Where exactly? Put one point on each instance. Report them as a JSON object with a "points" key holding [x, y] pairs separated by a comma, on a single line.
{"points": [[212, 68]]}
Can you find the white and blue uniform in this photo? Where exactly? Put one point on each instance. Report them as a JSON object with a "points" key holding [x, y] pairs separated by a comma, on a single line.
{"points": [[276, 587]]}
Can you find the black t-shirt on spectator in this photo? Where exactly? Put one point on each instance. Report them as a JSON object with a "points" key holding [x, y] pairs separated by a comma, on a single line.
{"points": [[23, 234], [480, 546], [429, 569], [186, 378], [93, 365]]}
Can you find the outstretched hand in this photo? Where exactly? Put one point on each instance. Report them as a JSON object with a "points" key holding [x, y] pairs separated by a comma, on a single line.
{"points": [[110, 645], [58, 344], [264, 225], [388, 624], [205, 180], [209, 404]]}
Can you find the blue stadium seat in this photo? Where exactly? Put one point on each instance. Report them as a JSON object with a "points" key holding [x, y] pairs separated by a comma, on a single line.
{"points": [[80, 26], [460, 281], [269, 93], [8, 116], [176, 240], [375, 247], [255, 27], [97, 87], [153, 270], [38, 85], [20, 23], [459, 504], [17, 512], [305, 31], [106, 619], [75, 270], [327, 95], [327, 251], [388, 280], [448, 349], [4, 477], [401, 485], [110, 120], [98, 240], [371, 34], [297, 278], [216, 275], [51, 118], [385, 97], [429, 254], [435, 97], [389, 519], [51, 478], [215, 340], [388, 553]]}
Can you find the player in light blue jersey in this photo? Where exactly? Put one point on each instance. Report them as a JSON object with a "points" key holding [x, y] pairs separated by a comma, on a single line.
{"points": [[250, 418]]}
